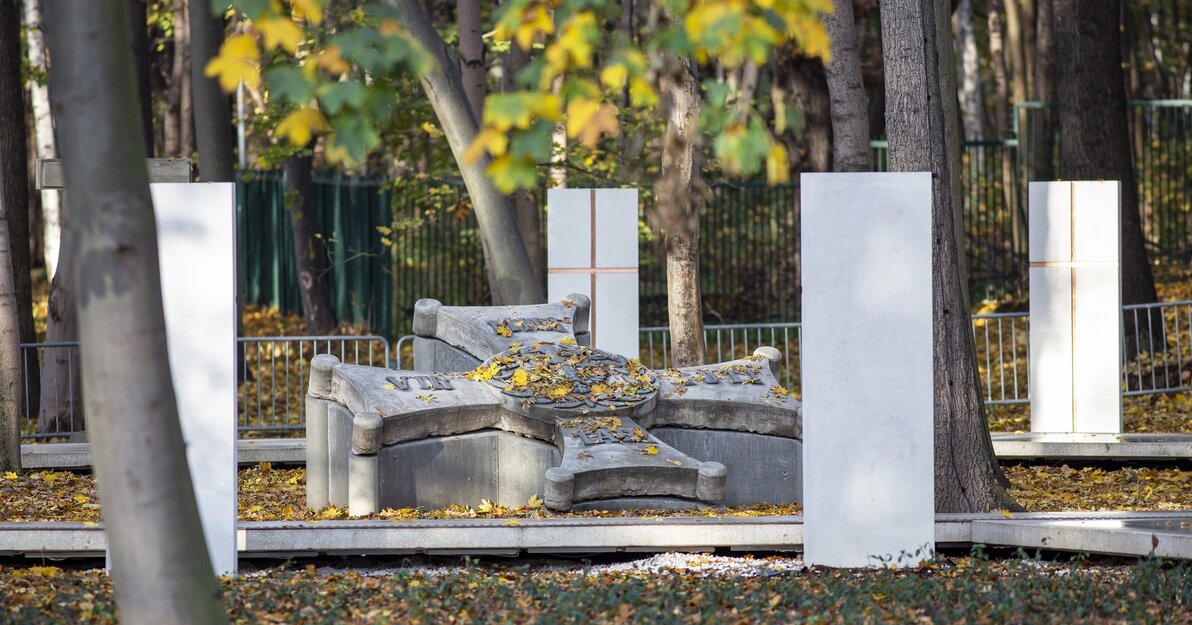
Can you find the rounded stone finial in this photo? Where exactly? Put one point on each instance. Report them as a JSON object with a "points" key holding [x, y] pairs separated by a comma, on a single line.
{"points": [[321, 367], [579, 319], [709, 486], [367, 429], [426, 316], [771, 354], [559, 488]]}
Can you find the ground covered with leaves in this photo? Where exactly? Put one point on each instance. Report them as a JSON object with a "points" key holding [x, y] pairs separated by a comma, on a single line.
{"points": [[270, 494], [747, 590]]}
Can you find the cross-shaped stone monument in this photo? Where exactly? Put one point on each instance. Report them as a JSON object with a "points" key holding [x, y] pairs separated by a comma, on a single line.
{"points": [[577, 426]]}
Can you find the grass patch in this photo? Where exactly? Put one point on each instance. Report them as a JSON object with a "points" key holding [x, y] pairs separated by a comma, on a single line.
{"points": [[272, 494], [961, 591]]}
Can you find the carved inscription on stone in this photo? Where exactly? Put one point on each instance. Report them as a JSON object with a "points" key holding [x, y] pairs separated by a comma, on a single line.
{"points": [[424, 382]]}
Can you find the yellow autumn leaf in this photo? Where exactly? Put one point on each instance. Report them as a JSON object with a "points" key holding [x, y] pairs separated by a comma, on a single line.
{"points": [[279, 31], [81, 499], [588, 119], [300, 125], [513, 523], [652, 450], [504, 331], [238, 60], [521, 377], [535, 21], [387, 387], [485, 506], [778, 167], [534, 502], [614, 76], [567, 340], [44, 571], [310, 10], [329, 60], [558, 391], [11, 475], [1006, 513], [390, 28], [488, 141]]}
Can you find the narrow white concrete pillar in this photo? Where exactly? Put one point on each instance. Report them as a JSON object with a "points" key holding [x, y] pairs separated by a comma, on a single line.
{"points": [[1076, 307], [197, 247], [868, 473], [592, 249]]}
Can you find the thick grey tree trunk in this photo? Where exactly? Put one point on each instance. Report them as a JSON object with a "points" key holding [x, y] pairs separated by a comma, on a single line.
{"points": [[310, 251], [850, 104], [43, 123], [809, 94], [14, 209], [1094, 140], [213, 116], [160, 568], [514, 277], [680, 193], [918, 56]]}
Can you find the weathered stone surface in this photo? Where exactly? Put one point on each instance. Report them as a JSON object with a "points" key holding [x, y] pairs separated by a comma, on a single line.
{"points": [[483, 331], [435, 355], [760, 467], [562, 421]]}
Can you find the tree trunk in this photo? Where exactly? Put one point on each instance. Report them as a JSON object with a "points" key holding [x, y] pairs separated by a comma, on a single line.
{"points": [[186, 109], [850, 113], [172, 126], [1043, 126], [1094, 140], [212, 111], [997, 63], [514, 276], [14, 211], [310, 251], [471, 54], [39, 97], [918, 57], [138, 20], [680, 195], [1015, 51], [809, 91], [525, 204], [972, 107], [161, 571], [61, 400]]}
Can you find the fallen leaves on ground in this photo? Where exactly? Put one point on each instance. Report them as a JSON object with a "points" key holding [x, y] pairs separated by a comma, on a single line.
{"points": [[277, 494], [1166, 413], [965, 590]]}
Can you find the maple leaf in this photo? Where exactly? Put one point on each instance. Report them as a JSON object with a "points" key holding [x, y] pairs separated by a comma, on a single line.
{"points": [[238, 60], [651, 450], [279, 31], [588, 119], [567, 340], [521, 377], [11, 475], [300, 125], [534, 502], [504, 331], [311, 10]]}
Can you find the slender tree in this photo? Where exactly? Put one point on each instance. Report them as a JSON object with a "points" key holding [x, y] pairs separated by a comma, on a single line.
{"points": [[514, 276], [15, 157], [1094, 140], [43, 124], [1043, 129], [680, 197], [138, 19], [918, 55], [160, 568], [213, 117], [471, 54], [14, 201], [850, 111], [525, 205], [972, 98], [310, 252]]}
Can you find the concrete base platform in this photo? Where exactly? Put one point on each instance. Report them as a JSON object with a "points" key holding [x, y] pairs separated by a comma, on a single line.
{"points": [[1133, 447], [1112, 533]]}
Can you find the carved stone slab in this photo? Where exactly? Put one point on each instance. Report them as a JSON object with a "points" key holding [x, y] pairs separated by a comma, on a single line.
{"points": [[483, 331], [593, 406]]}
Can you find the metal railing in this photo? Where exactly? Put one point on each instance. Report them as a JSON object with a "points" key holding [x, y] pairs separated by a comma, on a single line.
{"points": [[271, 381]]}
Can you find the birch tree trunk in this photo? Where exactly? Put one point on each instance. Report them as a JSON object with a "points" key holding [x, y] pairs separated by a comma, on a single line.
{"points": [[213, 116], [160, 568], [310, 251], [43, 124], [680, 195], [918, 56], [1094, 140], [514, 277], [972, 100], [14, 203], [850, 112]]}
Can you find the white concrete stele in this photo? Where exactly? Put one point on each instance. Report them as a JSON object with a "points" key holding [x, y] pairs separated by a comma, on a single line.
{"points": [[1075, 307], [868, 473], [592, 249], [197, 247]]}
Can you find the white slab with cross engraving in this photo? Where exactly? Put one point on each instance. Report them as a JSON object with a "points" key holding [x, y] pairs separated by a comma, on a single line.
{"points": [[868, 485], [592, 249], [197, 248], [1075, 307]]}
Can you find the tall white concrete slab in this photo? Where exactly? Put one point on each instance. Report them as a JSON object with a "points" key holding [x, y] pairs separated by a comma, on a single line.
{"points": [[868, 473], [197, 246], [592, 249], [1075, 307]]}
